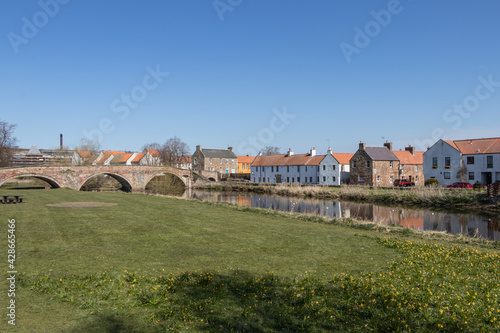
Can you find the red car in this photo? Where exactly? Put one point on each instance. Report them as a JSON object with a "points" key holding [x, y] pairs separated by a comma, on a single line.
{"points": [[403, 182], [460, 185]]}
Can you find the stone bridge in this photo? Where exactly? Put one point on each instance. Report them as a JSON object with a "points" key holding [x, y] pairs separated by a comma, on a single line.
{"points": [[132, 177]]}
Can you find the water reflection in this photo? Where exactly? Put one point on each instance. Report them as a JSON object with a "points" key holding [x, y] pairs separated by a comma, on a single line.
{"points": [[472, 225]]}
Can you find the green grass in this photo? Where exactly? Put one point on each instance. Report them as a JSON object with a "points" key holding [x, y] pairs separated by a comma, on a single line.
{"points": [[152, 234], [155, 264]]}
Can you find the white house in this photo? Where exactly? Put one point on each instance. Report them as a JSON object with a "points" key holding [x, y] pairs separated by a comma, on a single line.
{"points": [[477, 159], [301, 168]]}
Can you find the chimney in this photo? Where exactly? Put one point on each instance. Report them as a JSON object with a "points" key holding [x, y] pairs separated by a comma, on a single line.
{"points": [[230, 149], [60, 142], [290, 152], [410, 149], [329, 151], [312, 152], [198, 147], [362, 145], [388, 145]]}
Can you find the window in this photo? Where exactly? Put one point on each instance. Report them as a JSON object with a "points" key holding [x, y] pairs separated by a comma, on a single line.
{"points": [[220, 162], [447, 162], [232, 161], [333, 166], [416, 178], [272, 169], [470, 159], [402, 168], [391, 179], [287, 179], [211, 161], [447, 175], [378, 178], [306, 168], [310, 179], [268, 180], [354, 164], [298, 179], [324, 167], [195, 161], [390, 164], [324, 178], [333, 178], [293, 179], [227, 161], [361, 178], [416, 168], [318, 179], [434, 162], [287, 168], [489, 162], [298, 168], [471, 175], [232, 170], [368, 164]]}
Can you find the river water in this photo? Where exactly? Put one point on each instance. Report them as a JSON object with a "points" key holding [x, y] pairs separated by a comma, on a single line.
{"points": [[473, 225]]}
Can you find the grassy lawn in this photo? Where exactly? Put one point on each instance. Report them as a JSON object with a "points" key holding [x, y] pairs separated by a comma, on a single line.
{"points": [[153, 264]]}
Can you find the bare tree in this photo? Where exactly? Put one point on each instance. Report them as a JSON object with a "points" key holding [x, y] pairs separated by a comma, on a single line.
{"points": [[7, 142], [153, 145], [93, 146], [270, 150], [462, 173], [172, 150]]}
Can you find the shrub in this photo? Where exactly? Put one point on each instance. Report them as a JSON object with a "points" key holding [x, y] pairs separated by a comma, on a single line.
{"points": [[431, 182]]}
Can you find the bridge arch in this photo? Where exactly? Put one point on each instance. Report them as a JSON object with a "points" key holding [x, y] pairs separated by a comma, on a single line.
{"points": [[126, 184], [50, 180], [164, 173]]}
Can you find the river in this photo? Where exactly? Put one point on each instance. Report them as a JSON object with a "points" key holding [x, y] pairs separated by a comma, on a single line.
{"points": [[472, 225]]}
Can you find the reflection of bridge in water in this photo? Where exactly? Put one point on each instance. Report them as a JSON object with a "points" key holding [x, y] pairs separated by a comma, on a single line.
{"points": [[469, 225], [132, 177]]}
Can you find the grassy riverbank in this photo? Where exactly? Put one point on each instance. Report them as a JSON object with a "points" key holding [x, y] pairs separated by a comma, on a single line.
{"points": [[151, 264], [458, 199]]}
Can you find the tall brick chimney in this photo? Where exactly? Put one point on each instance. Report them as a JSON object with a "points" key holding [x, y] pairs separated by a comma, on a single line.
{"points": [[410, 149], [362, 145], [388, 145], [60, 142], [230, 149]]}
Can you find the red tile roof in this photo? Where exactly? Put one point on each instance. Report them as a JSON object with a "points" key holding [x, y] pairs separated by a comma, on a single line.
{"points": [[84, 153], [343, 158], [126, 157], [138, 157], [153, 152], [246, 159], [476, 146], [405, 157], [182, 159], [299, 159]]}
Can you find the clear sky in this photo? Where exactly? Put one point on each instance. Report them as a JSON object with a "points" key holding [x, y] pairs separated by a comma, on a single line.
{"points": [[250, 73]]}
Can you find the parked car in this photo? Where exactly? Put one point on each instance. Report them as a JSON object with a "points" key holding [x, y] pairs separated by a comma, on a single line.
{"points": [[460, 185], [403, 182]]}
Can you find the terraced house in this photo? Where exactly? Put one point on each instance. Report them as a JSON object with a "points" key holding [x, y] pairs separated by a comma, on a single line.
{"points": [[473, 160], [223, 161], [329, 169], [381, 166]]}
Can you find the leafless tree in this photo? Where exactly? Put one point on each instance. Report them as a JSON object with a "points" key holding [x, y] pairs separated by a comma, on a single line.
{"points": [[462, 173], [270, 150], [172, 150], [153, 145], [7, 142], [91, 145]]}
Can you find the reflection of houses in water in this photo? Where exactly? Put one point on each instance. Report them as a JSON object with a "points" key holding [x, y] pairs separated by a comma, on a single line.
{"points": [[410, 218]]}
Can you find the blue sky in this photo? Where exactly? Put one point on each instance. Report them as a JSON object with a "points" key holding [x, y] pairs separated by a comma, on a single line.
{"points": [[248, 74]]}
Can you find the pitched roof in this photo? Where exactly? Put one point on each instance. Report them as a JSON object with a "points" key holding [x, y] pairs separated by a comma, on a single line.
{"points": [[138, 157], [476, 146], [246, 159], [125, 157], [343, 158], [299, 159], [218, 153], [405, 157], [153, 152], [84, 153], [380, 154], [33, 151], [116, 159], [182, 159]]}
